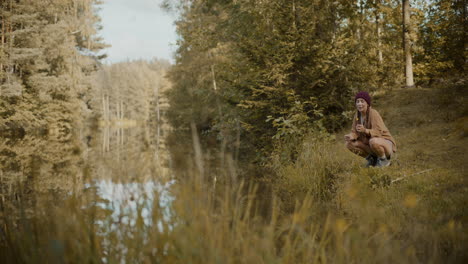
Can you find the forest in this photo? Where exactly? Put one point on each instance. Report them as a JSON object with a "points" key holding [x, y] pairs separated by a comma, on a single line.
{"points": [[277, 70], [233, 152]]}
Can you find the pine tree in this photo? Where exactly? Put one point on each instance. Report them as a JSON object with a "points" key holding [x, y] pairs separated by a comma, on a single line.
{"points": [[44, 77]]}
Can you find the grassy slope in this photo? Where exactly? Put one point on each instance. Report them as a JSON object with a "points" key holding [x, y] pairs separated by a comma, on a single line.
{"points": [[421, 218]]}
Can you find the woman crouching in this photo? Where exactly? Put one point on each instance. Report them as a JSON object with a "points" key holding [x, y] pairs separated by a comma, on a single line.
{"points": [[369, 136]]}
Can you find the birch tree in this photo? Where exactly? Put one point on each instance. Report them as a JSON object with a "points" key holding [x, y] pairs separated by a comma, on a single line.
{"points": [[407, 43]]}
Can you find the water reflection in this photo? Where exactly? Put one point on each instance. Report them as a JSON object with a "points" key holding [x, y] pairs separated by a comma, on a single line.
{"points": [[130, 154], [117, 169], [128, 201], [121, 154]]}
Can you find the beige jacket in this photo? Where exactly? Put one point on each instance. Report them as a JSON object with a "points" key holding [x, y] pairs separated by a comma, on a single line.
{"points": [[376, 126]]}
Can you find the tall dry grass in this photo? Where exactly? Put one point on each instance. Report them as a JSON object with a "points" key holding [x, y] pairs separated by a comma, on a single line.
{"points": [[418, 204], [361, 224], [324, 208]]}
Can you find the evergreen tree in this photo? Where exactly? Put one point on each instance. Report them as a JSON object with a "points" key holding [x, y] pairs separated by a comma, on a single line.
{"points": [[272, 62], [282, 68], [45, 64]]}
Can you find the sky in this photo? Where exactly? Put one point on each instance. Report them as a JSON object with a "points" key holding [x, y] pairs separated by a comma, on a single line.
{"points": [[137, 29]]}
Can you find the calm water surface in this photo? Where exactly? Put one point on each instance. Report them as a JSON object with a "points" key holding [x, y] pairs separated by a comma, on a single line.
{"points": [[122, 168]]}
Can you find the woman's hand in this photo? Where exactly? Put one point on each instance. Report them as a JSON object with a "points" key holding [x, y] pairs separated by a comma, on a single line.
{"points": [[361, 128], [349, 137]]}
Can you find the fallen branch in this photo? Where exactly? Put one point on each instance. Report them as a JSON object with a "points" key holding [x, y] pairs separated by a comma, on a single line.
{"points": [[406, 176]]}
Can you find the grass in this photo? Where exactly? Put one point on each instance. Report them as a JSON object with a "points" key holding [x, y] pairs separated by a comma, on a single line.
{"points": [[419, 202], [324, 207]]}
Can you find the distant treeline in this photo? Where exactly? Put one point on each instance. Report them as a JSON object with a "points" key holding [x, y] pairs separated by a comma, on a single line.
{"points": [[274, 70], [48, 52], [129, 90]]}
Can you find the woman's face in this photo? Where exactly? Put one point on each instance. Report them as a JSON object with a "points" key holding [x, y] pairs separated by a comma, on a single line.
{"points": [[361, 105]]}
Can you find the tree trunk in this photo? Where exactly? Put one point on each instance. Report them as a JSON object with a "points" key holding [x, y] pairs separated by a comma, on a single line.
{"points": [[294, 14], [361, 21], [9, 45], [379, 31], [218, 104], [3, 53], [107, 109], [407, 44], [104, 107], [158, 112], [3, 45], [121, 110], [379, 42]]}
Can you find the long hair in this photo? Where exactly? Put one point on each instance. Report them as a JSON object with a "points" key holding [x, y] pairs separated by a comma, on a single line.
{"points": [[361, 121]]}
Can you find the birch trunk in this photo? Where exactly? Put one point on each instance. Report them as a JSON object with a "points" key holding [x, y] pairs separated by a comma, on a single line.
{"points": [[407, 43], [104, 107]]}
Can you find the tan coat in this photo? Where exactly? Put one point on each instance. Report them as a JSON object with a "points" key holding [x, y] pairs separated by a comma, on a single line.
{"points": [[376, 126]]}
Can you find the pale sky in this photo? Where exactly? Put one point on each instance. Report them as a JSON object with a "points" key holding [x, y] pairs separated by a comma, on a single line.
{"points": [[137, 29]]}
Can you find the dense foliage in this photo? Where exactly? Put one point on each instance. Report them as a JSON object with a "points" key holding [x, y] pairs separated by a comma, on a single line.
{"points": [[48, 53], [272, 71]]}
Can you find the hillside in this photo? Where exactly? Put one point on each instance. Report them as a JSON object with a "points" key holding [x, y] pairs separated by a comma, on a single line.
{"points": [[431, 125], [413, 211]]}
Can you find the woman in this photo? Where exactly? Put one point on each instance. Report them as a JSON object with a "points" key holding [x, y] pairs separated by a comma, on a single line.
{"points": [[369, 136]]}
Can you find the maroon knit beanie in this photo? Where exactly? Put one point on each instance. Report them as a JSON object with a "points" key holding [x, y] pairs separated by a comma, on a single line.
{"points": [[363, 95]]}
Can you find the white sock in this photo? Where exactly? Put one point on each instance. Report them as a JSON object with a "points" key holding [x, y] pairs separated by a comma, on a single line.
{"points": [[383, 157]]}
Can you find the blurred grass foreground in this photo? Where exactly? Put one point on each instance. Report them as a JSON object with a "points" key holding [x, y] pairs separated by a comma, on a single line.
{"points": [[322, 208]]}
